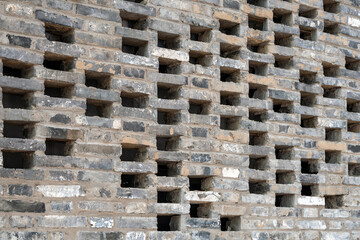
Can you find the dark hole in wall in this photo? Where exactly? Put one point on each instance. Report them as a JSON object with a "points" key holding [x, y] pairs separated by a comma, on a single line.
{"points": [[127, 181], [133, 100], [97, 80], [98, 109], [58, 148], [167, 117], [286, 200], [308, 121], [195, 184], [194, 210], [285, 177], [59, 33], [131, 154], [307, 77], [258, 163], [334, 202], [333, 157], [309, 166], [354, 169], [21, 160], [230, 223], [16, 130], [283, 39], [166, 143], [167, 223], [229, 28], [165, 92], [258, 187], [229, 123], [15, 100]]}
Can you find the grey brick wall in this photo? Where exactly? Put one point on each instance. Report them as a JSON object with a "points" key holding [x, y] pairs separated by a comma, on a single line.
{"points": [[168, 119]]}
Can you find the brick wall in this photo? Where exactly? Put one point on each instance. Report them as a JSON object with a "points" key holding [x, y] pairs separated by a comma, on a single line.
{"points": [[168, 119]]}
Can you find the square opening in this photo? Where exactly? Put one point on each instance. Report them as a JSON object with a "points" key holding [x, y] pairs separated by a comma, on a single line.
{"points": [[283, 39], [333, 134], [168, 196], [284, 200], [307, 12], [309, 190], [254, 45], [307, 99], [168, 223], [229, 51], [134, 46], [283, 62], [168, 117], [309, 166], [307, 77], [282, 106], [199, 210], [18, 130], [308, 121], [257, 91], [334, 201], [284, 153], [97, 80], [168, 66], [133, 20], [58, 90], [257, 138], [199, 58], [352, 64], [168, 40], [229, 28], [331, 6], [257, 115], [257, 23], [134, 100], [285, 177], [353, 126], [132, 180], [198, 107], [58, 62], [229, 123], [330, 70], [354, 169], [166, 169], [282, 16], [20, 160], [16, 69], [232, 223], [331, 92], [16, 100], [167, 92], [309, 34], [167, 143], [259, 3], [59, 33], [200, 34], [333, 157], [58, 148], [259, 163], [229, 98], [258, 68], [331, 27], [258, 187], [197, 184], [132, 153], [98, 108], [229, 75]]}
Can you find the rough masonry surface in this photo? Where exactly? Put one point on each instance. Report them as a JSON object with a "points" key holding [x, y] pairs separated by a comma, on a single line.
{"points": [[179, 119]]}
